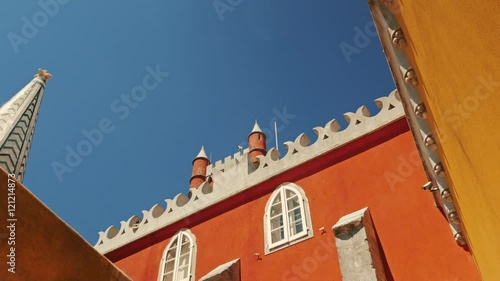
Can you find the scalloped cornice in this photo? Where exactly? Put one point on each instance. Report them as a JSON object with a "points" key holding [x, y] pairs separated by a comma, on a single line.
{"points": [[233, 175]]}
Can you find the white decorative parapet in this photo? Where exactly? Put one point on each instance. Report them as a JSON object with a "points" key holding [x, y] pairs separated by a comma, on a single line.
{"points": [[239, 174], [227, 163]]}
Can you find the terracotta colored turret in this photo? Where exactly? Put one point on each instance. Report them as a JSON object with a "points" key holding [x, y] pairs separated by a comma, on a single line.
{"points": [[200, 164], [256, 143]]}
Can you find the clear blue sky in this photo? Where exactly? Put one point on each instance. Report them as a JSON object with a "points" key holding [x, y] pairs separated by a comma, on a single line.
{"points": [[263, 56]]}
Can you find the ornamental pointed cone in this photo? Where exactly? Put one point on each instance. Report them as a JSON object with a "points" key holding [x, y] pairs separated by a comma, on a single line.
{"points": [[202, 153], [18, 118], [256, 128]]}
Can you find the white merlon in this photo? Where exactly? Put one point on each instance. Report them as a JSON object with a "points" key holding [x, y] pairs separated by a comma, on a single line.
{"points": [[233, 175], [227, 163]]}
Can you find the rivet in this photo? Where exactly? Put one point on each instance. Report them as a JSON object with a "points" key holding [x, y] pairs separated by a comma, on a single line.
{"points": [[430, 143], [398, 38], [439, 170], [446, 195], [421, 111], [411, 77], [460, 239], [453, 216]]}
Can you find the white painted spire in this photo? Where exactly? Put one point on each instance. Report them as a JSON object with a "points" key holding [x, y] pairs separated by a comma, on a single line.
{"points": [[256, 128], [18, 118], [202, 153]]}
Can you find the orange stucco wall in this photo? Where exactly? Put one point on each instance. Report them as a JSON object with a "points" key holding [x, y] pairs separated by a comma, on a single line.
{"points": [[38, 245], [454, 49], [415, 236]]}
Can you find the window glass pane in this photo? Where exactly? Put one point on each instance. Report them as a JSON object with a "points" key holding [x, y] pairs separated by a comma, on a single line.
{"points": [[276, 222], [277, 200], [174, 244], [185, 239], [168, 277], [296, 227], [276, 210], [183, 271], [184, 260], [289, 193], [171, 253], [292, 202], [278, 234], [185, 248], [169, 266], [294, 215]]}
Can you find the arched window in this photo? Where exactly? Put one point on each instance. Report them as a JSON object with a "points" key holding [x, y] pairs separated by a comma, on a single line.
{"points": [[287, 219], [178, 259]]}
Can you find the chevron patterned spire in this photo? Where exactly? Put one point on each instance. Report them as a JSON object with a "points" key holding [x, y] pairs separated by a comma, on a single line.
{"points": [[18, 118]]}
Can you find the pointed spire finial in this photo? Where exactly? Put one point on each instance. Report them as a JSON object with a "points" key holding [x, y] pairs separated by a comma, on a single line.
{"points": [[43, 73], [202, 153], [256, 128], [17, 125]]}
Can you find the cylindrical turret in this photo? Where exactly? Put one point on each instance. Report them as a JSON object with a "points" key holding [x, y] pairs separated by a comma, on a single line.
{"points": [[199, 173], [256, 143]]}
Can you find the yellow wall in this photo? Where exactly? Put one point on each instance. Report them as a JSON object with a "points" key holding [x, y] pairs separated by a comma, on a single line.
{"points": [[455, 48]]}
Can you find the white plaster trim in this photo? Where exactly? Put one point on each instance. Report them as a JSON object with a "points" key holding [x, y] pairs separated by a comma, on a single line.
{"points": [[218, 270], [240, 175], [347, 219]]}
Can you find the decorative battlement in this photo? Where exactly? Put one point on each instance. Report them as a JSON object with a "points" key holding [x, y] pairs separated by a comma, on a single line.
{"points": [[227, 163], [234, 175]]}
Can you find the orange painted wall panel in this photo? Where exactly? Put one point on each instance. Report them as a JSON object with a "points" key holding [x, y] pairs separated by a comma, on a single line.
{"points": [[414, 234], [41, 246]]}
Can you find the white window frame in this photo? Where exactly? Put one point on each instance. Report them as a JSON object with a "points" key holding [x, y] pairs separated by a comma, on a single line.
{"points": [[191, 260], [307, 231]]}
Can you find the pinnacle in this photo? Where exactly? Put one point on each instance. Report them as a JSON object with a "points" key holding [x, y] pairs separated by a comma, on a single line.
{"points": [[256, 128], [202, 153]]}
